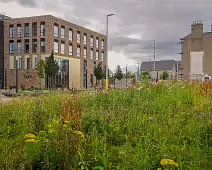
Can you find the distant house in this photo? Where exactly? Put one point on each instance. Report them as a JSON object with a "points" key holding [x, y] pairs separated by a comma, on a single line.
{"points": [[160, 66]]}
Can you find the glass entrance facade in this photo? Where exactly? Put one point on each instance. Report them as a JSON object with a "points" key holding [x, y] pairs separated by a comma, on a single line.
{"points": [[61, 80]]}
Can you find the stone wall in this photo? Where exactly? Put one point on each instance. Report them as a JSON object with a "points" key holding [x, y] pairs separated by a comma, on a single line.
{"points": [[122, 83]]}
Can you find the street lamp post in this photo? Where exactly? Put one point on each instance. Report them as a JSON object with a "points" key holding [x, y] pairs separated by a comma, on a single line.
{"points": [[126, 75], [106, 85], [154, 59], [138, 76]]}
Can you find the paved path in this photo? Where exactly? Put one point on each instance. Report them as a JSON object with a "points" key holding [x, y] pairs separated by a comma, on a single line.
{"points": [[4, 99]]}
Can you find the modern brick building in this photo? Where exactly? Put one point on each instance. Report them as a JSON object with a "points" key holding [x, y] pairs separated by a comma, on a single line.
{"points": [[197, 53], [77, 50]]}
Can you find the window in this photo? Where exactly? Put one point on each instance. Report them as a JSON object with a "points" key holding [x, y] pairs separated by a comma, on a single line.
{"points": [[12, 47], [97, 42], [26, 30], [91, 54], [85, 52], [94, 65], [78, 37], [56, 30], [36, 62], [85, 73], [19, 29], [20, 63], [102, 56], [97, 55], [28, 63], [62, 47], [78, 51], [62, 32], [42, 29], [43, 45], [102, 44], [34, 46], [70, 49], [70, 35], [91, 42], [56, 46], [85, 39], [91, 80], [12, 31], [34, 29], [85, 66], [27, 46], [19, 47]]}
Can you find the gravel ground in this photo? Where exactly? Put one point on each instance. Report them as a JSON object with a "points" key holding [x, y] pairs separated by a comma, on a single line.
{"points": [[4, 99]]}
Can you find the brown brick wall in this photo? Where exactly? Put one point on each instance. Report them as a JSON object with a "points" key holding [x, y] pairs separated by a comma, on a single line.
{"points": [[49, 21]]}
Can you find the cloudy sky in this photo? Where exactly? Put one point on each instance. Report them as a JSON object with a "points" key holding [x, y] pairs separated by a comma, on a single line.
{"points": [[131, 29]]}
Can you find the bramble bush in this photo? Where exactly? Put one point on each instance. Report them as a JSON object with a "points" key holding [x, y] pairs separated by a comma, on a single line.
{"points": [[168, 126]]}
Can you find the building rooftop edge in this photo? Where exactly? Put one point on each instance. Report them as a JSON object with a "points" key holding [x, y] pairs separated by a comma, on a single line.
{"points": [[59, 19]]}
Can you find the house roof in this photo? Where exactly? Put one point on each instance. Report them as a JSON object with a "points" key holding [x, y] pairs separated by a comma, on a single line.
{"points": [[159, 65], [205, 35]]}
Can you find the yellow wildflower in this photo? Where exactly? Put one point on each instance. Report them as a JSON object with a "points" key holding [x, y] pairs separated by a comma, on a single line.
{"points": [[30, 141], [30, 136], [159, 168], [79, 133], [170, 162]]}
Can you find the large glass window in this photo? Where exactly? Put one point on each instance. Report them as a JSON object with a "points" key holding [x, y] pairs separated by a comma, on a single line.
{"points": [[56, 30], [85, 52], [78, 37], [12, 31], [97, 42], [85, 39], [28, 63], [34, 45], [34, 29], [43, 29], [20, 63], [102, 44], [19, 47], [36, 62], [102, 56], [19, 29], [91, 54], [26, 30], [97, 55], [12, 47], [70, 49], [70, 35], [26, 46], [62, 31], [56, 46], [62, 47], [91, 41], [78, 51], [43, 45]]}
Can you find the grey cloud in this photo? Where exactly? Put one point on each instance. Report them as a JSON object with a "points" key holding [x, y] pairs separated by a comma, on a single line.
{"points": [[27, 3], [166, 21]]}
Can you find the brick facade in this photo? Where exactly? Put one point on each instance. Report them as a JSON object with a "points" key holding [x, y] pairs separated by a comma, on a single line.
{"points": [[49, 39]]}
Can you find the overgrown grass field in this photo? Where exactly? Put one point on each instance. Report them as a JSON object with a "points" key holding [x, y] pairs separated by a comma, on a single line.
{"points": [[131, 129]]}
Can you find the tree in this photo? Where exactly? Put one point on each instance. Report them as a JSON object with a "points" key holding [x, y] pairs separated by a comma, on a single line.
{"points": [[145, 75], [165, 75], [41, 70], [118, 74], [130, 74], [98, 72], [51, 67]]}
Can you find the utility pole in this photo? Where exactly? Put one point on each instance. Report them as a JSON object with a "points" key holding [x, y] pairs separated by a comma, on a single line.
{"points": [[126, 75], [107, 35], [138, 73], [177, 68], [154, 60]]}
